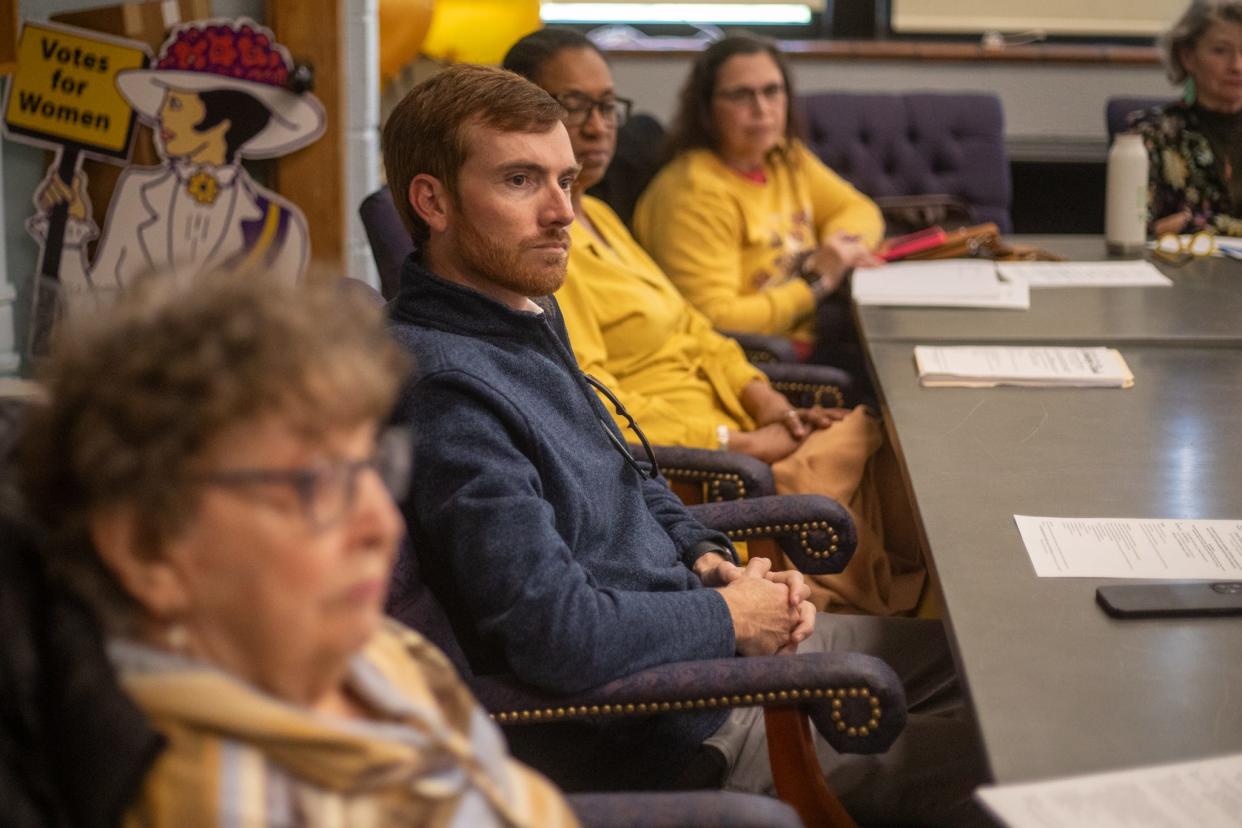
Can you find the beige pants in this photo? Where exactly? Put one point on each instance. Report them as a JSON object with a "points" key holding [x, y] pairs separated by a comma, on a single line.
{"points": [[926, 777], [851, 463]]}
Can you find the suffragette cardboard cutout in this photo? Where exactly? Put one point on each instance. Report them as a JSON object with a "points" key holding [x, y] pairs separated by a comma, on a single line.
{"points": [[220, 91]]}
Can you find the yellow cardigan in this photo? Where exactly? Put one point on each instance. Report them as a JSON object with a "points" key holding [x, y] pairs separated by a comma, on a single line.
{"points": [[633, 331], [733, 246]]}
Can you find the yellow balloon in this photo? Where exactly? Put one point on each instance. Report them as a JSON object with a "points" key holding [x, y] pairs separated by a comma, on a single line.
{"points": [[403, 24], [479, 31]]}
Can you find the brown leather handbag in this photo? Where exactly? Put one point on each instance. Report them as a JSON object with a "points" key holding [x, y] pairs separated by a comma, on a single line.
{"points": [[983, 241]]}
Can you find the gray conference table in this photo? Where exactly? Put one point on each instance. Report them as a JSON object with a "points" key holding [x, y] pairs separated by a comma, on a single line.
{"points": [[1057, 686], [1204, 306]]}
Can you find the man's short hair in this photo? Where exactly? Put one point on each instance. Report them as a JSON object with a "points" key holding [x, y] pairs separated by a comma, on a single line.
{"points": [[427, 130], [138, 393]]}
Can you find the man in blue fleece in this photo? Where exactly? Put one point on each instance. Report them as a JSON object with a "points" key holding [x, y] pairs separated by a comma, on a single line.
{"points": [[555, 556]]}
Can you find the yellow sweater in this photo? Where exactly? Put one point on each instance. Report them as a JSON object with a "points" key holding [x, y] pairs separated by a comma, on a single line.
{"points": [[733, 246], [633, 331]]}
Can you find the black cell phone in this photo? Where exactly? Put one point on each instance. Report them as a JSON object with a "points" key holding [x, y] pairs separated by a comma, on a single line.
{"points": [[1171, 598]]}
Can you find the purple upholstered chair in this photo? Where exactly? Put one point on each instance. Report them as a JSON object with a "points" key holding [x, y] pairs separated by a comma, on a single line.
{"points": [[390, 241], [915, 143], [856, 701], [1117, 112]]}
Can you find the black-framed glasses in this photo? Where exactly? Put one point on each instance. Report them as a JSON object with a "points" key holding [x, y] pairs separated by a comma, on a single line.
{"points": [[326, 493], [653, 469], [752, 94], [578, 107]]}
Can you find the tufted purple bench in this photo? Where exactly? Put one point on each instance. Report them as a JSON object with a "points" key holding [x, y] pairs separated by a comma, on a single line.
{"points": [[916, 143]]}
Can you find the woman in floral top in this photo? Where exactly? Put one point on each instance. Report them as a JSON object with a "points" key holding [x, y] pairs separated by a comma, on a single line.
{"points": [[1195, 145]]}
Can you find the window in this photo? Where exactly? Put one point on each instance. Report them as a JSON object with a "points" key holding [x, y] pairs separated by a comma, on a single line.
{"points": [[704, 12], [1102, 18]]}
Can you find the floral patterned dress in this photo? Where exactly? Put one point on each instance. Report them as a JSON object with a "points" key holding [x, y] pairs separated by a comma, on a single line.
{"points": [[1183, 172]]}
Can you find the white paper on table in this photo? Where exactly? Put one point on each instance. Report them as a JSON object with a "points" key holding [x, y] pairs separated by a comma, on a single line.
{"points": [[1158, 549], [1201, 794], [1231, 247], [982, 366], [1084, 274], [969, 283]]}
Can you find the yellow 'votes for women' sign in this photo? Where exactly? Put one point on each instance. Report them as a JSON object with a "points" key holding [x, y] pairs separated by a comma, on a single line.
{"points": [[64, 96], [64, 90]]}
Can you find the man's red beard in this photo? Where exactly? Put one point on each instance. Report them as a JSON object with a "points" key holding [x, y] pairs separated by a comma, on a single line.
{"points": [[521, 269]]}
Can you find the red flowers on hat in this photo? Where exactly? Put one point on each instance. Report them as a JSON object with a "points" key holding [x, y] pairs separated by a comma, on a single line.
{"points": [[242, 53]]}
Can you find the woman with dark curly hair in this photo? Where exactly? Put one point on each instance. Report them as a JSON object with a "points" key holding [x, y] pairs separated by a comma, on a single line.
{"points": [[752, 228]]}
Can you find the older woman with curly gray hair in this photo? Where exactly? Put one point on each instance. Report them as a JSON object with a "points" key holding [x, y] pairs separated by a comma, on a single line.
{"points": [[211, 466], [1195, 145]]}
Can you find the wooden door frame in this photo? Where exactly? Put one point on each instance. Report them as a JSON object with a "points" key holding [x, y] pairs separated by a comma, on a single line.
{"points": [[313, 177]]}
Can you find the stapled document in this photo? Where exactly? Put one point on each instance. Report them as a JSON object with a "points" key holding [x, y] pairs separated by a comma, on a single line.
{"points": [[959, 283], [1157, 549], [985, 366], [1084, 274]]}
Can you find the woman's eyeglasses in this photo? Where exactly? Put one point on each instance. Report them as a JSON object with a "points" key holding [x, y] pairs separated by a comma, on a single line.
{"points": [[752, 94], [652, 471], [578, 108], [326, 493], [1178, 250]]}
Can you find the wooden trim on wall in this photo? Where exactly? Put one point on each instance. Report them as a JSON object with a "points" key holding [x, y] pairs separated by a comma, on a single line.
{"points": [[8, 36], [313, 177], [924, 50]]}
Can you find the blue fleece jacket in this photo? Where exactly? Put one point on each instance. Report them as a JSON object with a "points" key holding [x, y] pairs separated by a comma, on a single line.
{"points": [[554, 558]]}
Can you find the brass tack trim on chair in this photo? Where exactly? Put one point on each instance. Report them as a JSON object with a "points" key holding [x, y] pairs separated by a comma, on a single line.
{"points": [[818, 391], [748, 699], [804, 535], [713, 479]]}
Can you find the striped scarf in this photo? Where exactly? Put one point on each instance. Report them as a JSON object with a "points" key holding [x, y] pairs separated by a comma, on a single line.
{"points": [[240, 757]]}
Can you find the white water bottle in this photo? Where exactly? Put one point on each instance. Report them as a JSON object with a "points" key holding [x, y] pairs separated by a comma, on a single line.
{"points": [[1125, 211]]}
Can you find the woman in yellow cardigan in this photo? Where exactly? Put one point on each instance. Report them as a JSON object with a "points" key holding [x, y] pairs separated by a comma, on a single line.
{"points": [[686, 384], [751, 227]]}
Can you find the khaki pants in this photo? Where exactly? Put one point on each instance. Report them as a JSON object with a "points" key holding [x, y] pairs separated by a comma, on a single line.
{"points": [[927, 776], [851, 463]]}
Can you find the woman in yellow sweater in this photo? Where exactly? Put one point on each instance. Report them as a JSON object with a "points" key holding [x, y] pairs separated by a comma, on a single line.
{"points": [[686, 384], [751, 227]]}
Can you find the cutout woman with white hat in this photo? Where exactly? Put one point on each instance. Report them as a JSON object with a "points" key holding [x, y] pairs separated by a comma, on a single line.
{"points": [[219, 92]]}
